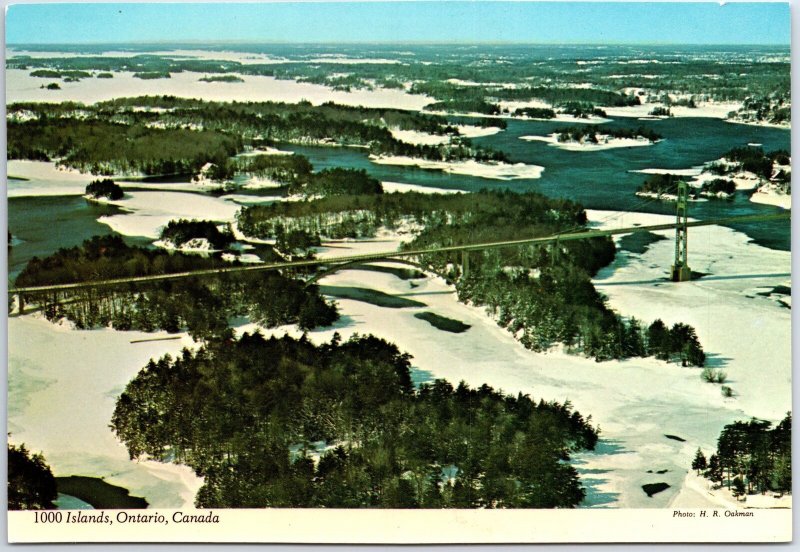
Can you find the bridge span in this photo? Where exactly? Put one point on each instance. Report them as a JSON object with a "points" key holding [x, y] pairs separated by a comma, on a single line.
{"points": [[465, 249]]}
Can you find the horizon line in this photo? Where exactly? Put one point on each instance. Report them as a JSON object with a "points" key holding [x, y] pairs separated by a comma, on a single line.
{"points": [[245, 42]]}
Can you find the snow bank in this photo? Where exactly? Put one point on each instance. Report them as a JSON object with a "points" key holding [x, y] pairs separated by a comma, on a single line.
{"points": [[512, 106], [62, 389], [195, 245], [693, 171], [425, 139], [744, 180], [471, 131], [495, 171], [698, 492]]}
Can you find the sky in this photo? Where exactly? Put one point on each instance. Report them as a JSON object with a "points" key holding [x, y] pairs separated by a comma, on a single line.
{"points": [[443, 22]]}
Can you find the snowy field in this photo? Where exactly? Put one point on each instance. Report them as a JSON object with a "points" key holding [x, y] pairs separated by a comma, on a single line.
{"points": [[148, 212], [21, 87], [62, 386]]}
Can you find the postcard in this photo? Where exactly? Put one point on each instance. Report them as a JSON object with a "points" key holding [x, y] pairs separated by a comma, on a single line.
{"points": [[399, 272]]}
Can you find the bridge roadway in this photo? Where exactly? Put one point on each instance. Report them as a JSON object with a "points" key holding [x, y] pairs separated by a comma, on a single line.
{"points": [[388, 255]]}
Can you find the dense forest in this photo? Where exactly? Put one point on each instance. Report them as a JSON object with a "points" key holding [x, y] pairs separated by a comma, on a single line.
{"points": [[544, 295], [31, 485], [107, 147], [751, 457], [202, 306], [284, 423], [167, 135]]}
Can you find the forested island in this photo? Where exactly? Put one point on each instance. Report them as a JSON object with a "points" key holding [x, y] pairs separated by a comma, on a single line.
{"points": [[594, 135], [665, 186], [284, 423], [105, 188]]}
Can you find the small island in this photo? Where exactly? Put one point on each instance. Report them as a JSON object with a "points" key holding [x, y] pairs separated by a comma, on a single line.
{"points": [[104, 189], [222, 78], [766, 175], [151, 75], [592, 138], [194, 235], [665, 187]]}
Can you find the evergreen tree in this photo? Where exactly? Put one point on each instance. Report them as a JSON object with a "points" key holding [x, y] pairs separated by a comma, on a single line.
{"points": [[699, 463], [31, 485]]}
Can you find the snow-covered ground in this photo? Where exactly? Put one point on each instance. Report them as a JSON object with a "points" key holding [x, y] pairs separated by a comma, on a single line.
{"points": [[715, 110], [391, 187], [512, 106], [62, 387], [43, 178], [636, 403], [604, 142], [427, 139], [21, 87], [771, 194], [148, 212], [494, 171]]}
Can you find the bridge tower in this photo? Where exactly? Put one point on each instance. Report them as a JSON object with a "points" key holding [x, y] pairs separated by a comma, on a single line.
{"points": [[680, 268]]}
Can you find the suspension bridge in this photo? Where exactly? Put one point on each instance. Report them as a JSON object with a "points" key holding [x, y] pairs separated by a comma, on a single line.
{"points": [[679, 271]]}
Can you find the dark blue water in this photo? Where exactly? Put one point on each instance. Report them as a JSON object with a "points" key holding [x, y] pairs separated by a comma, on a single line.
{"points": [[600, 179], [42, 225]]}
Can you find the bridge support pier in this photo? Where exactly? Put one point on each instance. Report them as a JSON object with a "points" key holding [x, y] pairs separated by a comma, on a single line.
{"points": [[464, 263], [680, 268], [20, 304]]}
